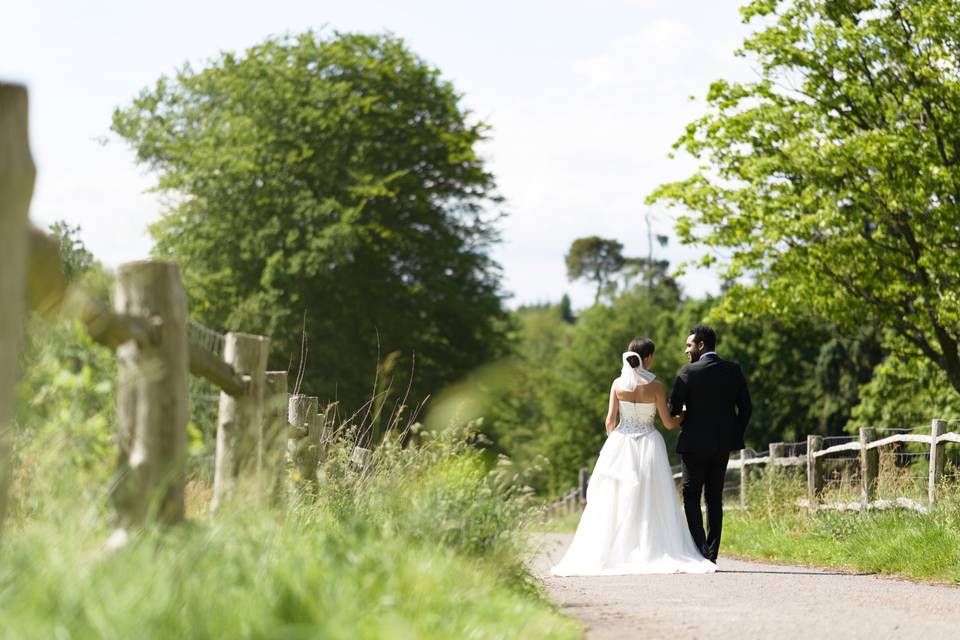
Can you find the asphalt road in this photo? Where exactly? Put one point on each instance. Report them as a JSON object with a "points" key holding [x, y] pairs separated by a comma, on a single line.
{"points": [[746, 600]]}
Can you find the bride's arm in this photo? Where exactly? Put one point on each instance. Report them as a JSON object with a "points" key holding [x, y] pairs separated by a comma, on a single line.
{"points": [[669, 421], [611, 423]]}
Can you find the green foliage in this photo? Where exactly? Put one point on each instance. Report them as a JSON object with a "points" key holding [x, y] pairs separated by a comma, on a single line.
{"points": [[427, 544], [595, 259], [831, 181], [330, 185], [898, 542], [906, 391], [66, 394], [74, 255], [566, 310], [804, 377], [550, 418], [256, 575]]}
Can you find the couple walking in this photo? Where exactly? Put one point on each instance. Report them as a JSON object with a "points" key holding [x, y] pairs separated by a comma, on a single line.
{"points": [[632, 522]]}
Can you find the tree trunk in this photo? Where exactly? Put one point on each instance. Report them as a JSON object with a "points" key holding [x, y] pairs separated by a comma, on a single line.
{"points": [[17, 175]]}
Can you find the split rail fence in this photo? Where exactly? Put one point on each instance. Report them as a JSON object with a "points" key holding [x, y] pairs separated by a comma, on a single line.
{"points": [[264, 434], [813, 459]]}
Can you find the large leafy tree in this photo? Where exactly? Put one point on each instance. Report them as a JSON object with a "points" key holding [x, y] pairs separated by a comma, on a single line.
{"points": [[596, 260], [832, 183], [330, 183]]}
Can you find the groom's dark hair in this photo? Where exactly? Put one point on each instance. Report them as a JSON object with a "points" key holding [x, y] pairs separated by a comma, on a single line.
{"points": [[706, 335]]}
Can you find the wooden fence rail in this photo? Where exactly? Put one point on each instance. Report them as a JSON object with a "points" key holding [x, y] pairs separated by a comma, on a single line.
{"points": [[867, 445]]}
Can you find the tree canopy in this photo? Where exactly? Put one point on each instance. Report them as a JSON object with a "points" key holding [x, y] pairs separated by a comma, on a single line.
{"points": [[595, 259], [329, 183], [832, 181]]}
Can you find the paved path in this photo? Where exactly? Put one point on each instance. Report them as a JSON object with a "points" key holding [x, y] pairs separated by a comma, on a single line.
{"points": [[746, 600]]}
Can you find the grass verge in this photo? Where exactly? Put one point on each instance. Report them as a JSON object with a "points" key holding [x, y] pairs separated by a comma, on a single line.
{"points": [[895, 542], [429, 544]]}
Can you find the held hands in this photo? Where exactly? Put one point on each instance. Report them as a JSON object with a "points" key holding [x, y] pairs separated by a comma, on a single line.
{"points": [[678, 420]]}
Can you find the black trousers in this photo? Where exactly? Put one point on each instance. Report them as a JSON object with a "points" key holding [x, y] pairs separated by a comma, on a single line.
{"points": [[704, 474]]}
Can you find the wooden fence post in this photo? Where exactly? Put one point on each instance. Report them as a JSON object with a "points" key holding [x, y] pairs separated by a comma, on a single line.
{"points": [[152, 397], [17, 175], [361, 457], [814, 475], [777, 449], [302, 444], [272, 444], [324, 433], [937, 458], [240, 417], [869, 465], [583, 478], [744, 476]]}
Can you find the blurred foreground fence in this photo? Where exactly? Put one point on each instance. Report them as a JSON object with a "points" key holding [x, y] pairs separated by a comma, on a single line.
{"points": [[264, 434], [860, 467]]}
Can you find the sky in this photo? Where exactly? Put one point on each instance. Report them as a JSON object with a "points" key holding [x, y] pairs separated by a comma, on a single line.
{"points": [[585, 100]]}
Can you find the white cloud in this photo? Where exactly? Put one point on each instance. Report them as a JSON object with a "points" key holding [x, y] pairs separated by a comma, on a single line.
{"points": [[580, 160]]}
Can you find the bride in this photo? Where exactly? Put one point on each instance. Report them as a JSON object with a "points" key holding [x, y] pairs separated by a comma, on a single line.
{"points": [[632, 522]]}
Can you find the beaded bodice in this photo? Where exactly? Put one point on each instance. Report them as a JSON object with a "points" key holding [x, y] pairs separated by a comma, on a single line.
{"points": [[636, 418]]}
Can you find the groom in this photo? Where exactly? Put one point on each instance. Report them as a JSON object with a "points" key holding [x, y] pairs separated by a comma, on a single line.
{"points": [[717, 401]]}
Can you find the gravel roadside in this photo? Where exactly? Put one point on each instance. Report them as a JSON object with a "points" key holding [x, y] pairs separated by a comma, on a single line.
{"points": [[750, 600]]}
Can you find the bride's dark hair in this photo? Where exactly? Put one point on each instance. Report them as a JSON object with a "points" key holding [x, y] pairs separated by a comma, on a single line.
{"points": [[643, 347]]}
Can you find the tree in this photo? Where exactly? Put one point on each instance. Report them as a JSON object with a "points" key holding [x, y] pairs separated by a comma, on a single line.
{"points": [[654, 274], [594, 259], [330, 183], [76, 259], [906, 391], [566, 310], [833, 180], [804, 378]]}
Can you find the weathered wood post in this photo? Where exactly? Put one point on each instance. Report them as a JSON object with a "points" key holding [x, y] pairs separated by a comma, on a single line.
{"points": [[814, 475], [869, 465], [361, 457], [152, 396], [17, 175], [744, 476], [302, 445], [240, 417], [583, 479], [777, 449], [937, 458], [272, 443], [324, 433]]}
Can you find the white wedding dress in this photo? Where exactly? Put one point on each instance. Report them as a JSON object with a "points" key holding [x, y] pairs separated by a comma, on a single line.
{"points": [[633, 522]]}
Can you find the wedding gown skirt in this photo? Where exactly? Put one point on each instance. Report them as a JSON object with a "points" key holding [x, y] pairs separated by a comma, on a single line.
{"points": [[633, 522]]}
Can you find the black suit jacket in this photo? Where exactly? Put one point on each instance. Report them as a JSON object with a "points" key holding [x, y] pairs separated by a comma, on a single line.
{"points": [[718, 405]]}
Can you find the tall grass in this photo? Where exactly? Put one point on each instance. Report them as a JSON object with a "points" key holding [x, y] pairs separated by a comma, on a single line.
{"points": [[895, 542], [427, 542]]}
